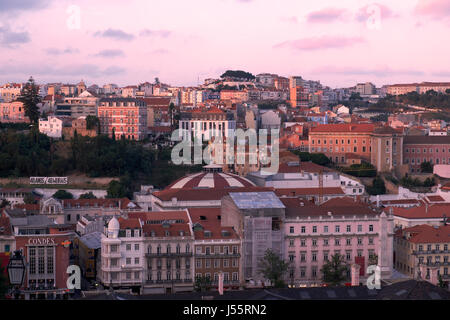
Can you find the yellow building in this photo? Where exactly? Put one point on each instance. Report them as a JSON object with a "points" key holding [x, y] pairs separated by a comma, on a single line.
{"points": [[87, 254], [422, 252]]}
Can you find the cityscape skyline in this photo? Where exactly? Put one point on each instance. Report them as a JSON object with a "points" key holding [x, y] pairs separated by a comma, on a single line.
{"points": [[342, 44]]}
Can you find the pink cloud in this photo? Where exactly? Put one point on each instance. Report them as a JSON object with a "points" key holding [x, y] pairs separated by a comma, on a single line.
{"points": [[381, 72], [289, 19], [385, 12], [326, 15], [437, 9], [324, 42]]}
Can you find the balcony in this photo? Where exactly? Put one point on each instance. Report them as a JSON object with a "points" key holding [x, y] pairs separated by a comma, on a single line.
{"points": [[168, 255], [217, 255], [111, 254], [174, 281]]}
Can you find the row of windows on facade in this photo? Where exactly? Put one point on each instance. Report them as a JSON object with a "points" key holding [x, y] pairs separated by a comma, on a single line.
{"points": [[313, 274], [437, 259], [204, 125], [122, 104], [431, 160], [226, 276], [104, 121], [42, 258], [216, 263], [421, 247], [404, 267], [326, 242], [326, 255], [430, 150], [337, 229]]}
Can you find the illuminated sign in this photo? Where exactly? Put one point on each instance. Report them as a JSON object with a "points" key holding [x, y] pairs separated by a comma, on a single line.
{"points": [[49, 180]]}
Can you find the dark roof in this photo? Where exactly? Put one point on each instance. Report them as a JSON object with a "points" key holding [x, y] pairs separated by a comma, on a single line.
{"points": [[404, 290], [413, 290], [426, 140]]}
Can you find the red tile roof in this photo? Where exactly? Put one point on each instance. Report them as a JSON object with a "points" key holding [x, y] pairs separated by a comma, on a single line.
{"points": [[434, 211], [130, 223], [344, 206], [208, 219], [294, 192], [428, 234], [208, 194], [344, 127]]}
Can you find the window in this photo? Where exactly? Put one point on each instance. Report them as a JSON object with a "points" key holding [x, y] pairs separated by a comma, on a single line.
{"points": [[128, 247], [359, 227], [325, 229], [302, 256], [337, 228], [325, 242], [303, 230], [348, 242], [136, 260], [128, 260], [291, 242], [370, 227], [303, 243], [314, 242], [314, 256], [337, 242], [349, 228], [314, 229], [291, 229], [136, 247]]}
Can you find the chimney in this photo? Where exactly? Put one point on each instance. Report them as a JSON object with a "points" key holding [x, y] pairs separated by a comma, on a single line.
{"points": [[221, 283], [355, 274], [378, 201]]}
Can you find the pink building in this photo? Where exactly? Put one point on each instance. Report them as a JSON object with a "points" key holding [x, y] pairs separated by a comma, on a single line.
{"points": [[314, 233], [13, 112]]}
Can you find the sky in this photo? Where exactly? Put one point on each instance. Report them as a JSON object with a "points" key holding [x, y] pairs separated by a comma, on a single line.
{"points": [[181, 42]]}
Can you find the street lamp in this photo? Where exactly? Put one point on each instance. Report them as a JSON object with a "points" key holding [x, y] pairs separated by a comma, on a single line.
{"points": [[16, 271]]}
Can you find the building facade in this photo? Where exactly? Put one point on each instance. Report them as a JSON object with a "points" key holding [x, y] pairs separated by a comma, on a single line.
{"points": [[123, 117]]}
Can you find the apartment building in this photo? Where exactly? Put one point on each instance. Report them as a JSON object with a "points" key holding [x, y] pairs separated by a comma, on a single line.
{"points": [[205, 123], [122, 249], [167, 252], [345, 226], [10, 92], [13, 112], [422, 252], [85, 104], [217, 249], [380, 146], [52, 127], [419, 149], [123, 117], [257, 218], [299, 97]]}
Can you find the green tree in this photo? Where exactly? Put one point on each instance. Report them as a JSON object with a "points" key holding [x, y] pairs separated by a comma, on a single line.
{"points": [[4, 203], [441, 283], [334, 271], [378, 187], [29, 96], [29, 199], [92, 122], [202, 283], [120, 189], [426, 167], [273, 268], [62, 194], [88, 195]]}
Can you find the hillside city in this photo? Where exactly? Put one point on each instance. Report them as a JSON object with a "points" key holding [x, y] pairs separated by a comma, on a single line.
{"points": [[359, 198]]}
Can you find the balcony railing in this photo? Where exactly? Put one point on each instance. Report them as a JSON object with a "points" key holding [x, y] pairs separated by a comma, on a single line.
{"points": [[217, 255], [174, 281], [168, 255]]}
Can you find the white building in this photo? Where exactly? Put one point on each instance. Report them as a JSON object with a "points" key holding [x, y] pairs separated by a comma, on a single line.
{"points": [[122, 254], [51, 127]]}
